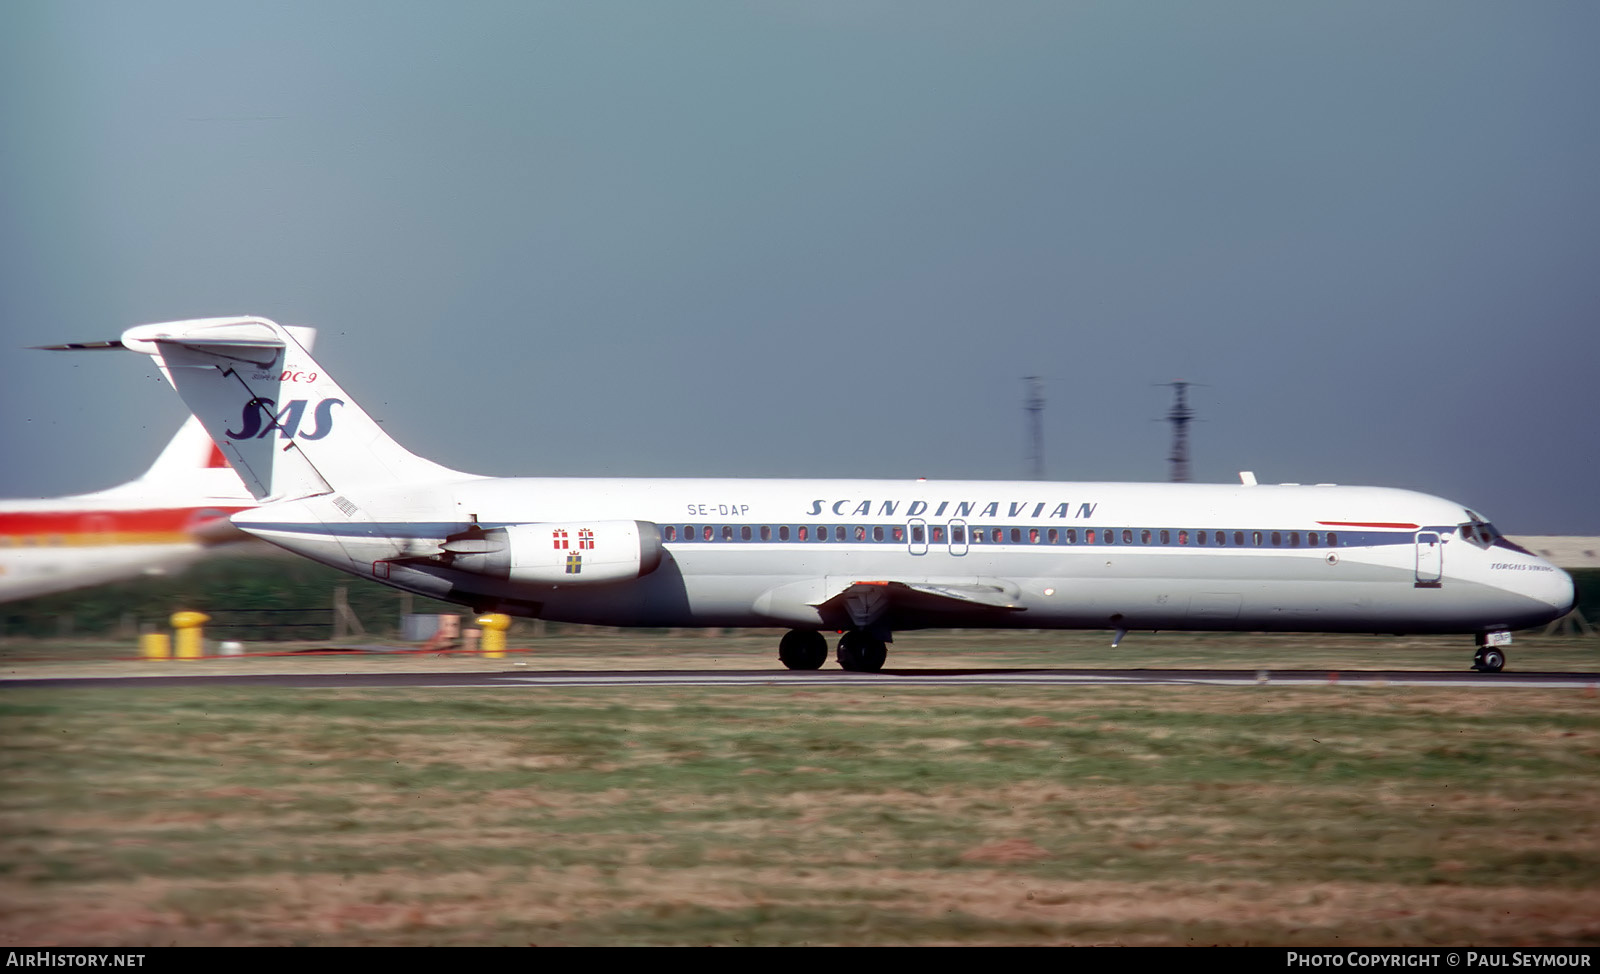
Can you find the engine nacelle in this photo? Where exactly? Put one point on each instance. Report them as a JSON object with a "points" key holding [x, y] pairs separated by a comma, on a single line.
{"points": [[560, 553]]}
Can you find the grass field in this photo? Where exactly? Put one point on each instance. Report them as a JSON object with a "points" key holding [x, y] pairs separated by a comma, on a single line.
{"points": [[1336, 815]]}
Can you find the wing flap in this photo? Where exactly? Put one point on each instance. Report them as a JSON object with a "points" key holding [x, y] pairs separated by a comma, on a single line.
{"points": [[867, 601]]}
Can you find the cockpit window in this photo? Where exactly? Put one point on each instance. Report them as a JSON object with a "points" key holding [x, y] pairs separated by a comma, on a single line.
{"points": [[1485, 535], [1480, 533]]}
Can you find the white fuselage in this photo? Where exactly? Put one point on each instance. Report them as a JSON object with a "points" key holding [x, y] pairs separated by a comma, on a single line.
{"points": [[1061, 555]]}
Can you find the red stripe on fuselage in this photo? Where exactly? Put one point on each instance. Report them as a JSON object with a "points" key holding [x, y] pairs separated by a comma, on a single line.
{"points": [[165, 519]]}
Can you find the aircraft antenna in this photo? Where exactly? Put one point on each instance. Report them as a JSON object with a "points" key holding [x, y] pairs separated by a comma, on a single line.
{"points": [[1033, 405]]}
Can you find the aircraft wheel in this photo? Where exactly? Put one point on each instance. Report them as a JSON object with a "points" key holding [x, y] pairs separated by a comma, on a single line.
{"points": [[1489, 660], [803, 649], [861, 653]]}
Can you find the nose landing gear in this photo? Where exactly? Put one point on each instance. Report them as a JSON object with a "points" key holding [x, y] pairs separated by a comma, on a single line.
{"points": [[1490, 658]]}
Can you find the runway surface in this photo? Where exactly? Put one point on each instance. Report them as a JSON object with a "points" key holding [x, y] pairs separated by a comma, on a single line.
{"points": [[513, 679]]}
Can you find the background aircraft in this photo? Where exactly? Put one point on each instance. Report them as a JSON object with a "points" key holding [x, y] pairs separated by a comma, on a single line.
{"points": [[159, 522]]}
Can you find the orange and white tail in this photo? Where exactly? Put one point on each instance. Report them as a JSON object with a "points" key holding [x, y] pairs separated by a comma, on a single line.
{"points": [[189, 469]]}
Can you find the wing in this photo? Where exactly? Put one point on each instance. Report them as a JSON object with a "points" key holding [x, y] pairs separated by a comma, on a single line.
{"points": [[866, 602]]}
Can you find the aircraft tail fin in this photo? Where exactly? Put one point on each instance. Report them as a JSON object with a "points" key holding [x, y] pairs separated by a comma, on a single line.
{"points": [[190, 466], [284, 425], [190, 450]]}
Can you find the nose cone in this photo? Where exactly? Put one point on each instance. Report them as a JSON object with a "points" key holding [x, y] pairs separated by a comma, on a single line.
{"points": [[1549, 588], [1563, 595], [1533, 592]]}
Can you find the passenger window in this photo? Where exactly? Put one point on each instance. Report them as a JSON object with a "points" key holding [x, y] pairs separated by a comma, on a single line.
{"points": [[1255, 538], [995, 536], [1294, 539], [898, 532], [707, 532], [877, 532], [861, 533], [1222, 537], [1055, 536], [1238, 538], [802, 532], [822, 532], [1311, 539], [916, 534], [783, 533], [1333, 539], [766, 532], [1277, 538], [727, 532], [1144, 537], [1033, 535], [938, 534], [1088, 536], [1127, 536], [1108, 536], [1166, 537], [744, 533], [838, 533], [1016, 535], [1183, 537], [1199, 537], [958, 534], [688, 532], [671, 533], [1072, 536]]}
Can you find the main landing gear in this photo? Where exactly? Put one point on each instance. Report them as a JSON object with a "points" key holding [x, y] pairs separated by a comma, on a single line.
{"points": [[803, 649], [807, 649], [861, 653], [1490, 657]]}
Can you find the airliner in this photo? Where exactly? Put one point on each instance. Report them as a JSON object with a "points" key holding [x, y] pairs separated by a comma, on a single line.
{"points": [[157, 523], [861, 558]]}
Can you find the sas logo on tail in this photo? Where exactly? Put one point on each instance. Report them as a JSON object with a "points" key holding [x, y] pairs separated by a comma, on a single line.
{"points": [[261, 417]]}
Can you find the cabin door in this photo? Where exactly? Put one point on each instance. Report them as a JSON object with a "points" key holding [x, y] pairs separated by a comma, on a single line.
{"points": [[917, 536], [1430, 559], [958, 537]]}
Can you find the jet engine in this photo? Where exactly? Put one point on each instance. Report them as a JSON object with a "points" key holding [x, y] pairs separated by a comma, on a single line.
{"points": [[558, 553]]}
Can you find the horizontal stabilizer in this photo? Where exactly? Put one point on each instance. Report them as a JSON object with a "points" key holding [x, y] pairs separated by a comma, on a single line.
{"points": [[112, 345]]}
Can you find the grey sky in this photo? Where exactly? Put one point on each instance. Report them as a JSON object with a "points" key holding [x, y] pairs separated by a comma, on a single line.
{"points": [[828, 238]]}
